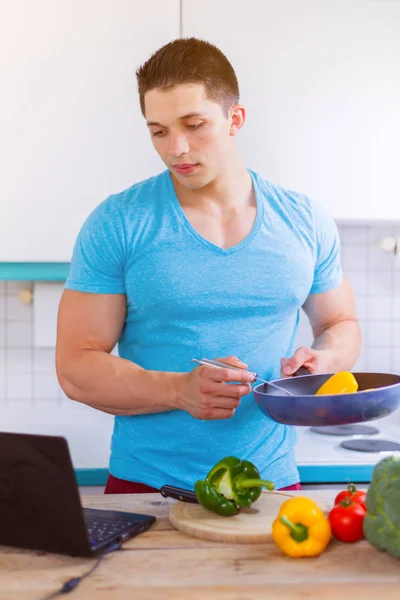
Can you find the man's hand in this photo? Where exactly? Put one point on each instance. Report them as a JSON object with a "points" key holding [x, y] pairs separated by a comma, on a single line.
{"points": [[208, 392], [316, 361]]}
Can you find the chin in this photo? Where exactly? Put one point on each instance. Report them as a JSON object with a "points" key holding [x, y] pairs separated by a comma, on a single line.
{"points": [[192, 185], [195, 183]]}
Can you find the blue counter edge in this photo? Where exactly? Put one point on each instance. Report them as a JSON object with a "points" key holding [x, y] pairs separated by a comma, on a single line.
{"points": [[34, 271], [308, 474]]}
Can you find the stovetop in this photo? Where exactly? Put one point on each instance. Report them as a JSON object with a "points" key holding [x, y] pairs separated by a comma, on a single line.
{"points": [[358, 444], [346, 430]]}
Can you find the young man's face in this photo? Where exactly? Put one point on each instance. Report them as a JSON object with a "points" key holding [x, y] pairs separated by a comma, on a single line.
{"points": [[190, 133]]}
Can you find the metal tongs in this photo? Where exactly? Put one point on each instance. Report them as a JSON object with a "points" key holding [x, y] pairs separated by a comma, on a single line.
{"points": [[222, 365]]}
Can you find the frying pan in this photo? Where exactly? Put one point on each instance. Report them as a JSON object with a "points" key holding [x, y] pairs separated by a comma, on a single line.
{"points": [[304, 408]]}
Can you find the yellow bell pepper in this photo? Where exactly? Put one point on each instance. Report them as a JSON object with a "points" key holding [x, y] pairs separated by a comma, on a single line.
{"points": [[301, 528], [342, 382]]}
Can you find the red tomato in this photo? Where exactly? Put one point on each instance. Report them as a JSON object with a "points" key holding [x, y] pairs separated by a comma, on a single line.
{"points": [[353, 494], [347, 520]]}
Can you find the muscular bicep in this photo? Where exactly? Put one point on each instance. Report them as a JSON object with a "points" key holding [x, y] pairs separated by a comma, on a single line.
{"points": [[89, 322], [328, 308]]}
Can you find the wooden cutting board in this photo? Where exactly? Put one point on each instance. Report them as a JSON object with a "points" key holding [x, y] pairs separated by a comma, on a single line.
{"points": [[251, 525]]}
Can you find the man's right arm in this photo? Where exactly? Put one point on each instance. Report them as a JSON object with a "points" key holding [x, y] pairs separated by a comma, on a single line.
{"points": [[89, 326]]}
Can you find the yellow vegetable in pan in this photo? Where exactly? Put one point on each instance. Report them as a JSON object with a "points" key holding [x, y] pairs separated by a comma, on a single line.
{"points": [[342, 382]]}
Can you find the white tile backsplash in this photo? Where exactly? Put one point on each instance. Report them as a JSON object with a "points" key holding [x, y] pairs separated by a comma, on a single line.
{"points": [[359, 282], [380, 283], [396, 308], [361, 362], [19, 386], [378, 260], [19, 360], [2, 377], [62, 398], [47, 296], [396, 279], [378, 334], [2, 309], [354, 235], [44, 360], [396, 334], [378, 360], [396, 360], [362, 307], [16, 311], [45, 387], [377, 232], [379, 308], [13, 288], [354, 257], [19, 334]]}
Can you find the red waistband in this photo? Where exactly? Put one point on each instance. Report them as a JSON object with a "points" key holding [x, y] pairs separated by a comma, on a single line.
{"points": [[120, 486]]}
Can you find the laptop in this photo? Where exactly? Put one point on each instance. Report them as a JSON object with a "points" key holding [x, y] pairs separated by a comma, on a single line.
{"points": [[40, 506]]}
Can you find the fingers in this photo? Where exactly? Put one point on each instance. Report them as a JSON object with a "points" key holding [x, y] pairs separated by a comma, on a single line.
{"points": [[285, 367], [219, 390], [226, 391], [219, 400], [234, 361], [218, 413], [213, 402], [226, 375], [217, 407], [299, 358]]}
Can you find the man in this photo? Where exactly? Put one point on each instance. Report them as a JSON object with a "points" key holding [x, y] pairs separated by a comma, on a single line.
{"points": [[206, 259]]}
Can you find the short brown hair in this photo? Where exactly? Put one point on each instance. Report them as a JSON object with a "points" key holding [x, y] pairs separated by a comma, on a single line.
{"points": [[190, 60]]}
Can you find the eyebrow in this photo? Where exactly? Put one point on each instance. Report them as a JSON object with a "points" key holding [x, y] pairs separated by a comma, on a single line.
{"points": [[188, 116]]}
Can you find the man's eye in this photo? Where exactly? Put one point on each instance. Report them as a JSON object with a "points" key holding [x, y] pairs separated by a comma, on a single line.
{"points": [[195, 126], [156, 133]]}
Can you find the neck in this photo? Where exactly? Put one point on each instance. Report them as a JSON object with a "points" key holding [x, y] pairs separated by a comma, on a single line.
{"points": [[231, 189]]}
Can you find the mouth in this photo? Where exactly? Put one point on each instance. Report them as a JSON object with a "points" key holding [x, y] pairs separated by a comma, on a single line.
{"points": [[185, 168]]}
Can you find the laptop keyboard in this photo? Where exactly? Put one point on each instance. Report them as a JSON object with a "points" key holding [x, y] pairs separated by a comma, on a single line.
{"points": [[100, 530]]}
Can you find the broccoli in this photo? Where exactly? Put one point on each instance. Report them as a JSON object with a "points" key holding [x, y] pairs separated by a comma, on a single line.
{"points": [[382, 520]]}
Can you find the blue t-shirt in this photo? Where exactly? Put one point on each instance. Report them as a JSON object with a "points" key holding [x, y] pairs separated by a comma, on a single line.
{"points": [[188, 298]]}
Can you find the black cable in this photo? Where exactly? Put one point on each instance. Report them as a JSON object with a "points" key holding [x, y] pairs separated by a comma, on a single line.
{"points": [[72, 583]]}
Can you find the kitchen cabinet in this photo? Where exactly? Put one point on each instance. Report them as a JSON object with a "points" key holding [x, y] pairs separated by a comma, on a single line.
{"points": [[321, 87], [71, 131], [164, 564]]}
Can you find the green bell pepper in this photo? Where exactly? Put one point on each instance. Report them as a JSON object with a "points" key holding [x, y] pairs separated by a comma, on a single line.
{"points": [[230, 485]]}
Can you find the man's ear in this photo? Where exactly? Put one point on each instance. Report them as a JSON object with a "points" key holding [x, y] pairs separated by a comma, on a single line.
{"points": [[237, 118]]}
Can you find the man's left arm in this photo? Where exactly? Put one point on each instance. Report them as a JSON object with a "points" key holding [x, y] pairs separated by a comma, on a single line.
{"points": [[337, 334]]}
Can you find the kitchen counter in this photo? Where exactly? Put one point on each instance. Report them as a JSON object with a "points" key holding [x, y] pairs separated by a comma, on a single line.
{"points": [[165, 564]]}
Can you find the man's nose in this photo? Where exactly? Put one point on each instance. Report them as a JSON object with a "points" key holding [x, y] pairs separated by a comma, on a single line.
{"points": [[178, 144]]}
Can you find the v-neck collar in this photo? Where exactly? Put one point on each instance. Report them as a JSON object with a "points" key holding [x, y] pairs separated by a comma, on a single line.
{"points": [[213, 247]]}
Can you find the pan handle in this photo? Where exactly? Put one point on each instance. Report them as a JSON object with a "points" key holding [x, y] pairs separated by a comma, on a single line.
{"points": [[301, 371]]}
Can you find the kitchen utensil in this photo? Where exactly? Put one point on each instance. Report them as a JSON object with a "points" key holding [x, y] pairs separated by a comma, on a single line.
{"points": [[251, 525], [303, 408], [222, 365], [169, 491]]}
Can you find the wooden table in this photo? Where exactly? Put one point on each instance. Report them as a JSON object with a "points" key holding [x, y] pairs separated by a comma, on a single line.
{"points": [[165, 564]]}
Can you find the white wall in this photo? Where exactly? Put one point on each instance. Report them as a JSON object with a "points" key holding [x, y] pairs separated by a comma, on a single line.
{"points": [[71, 130], [319, 80]]}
